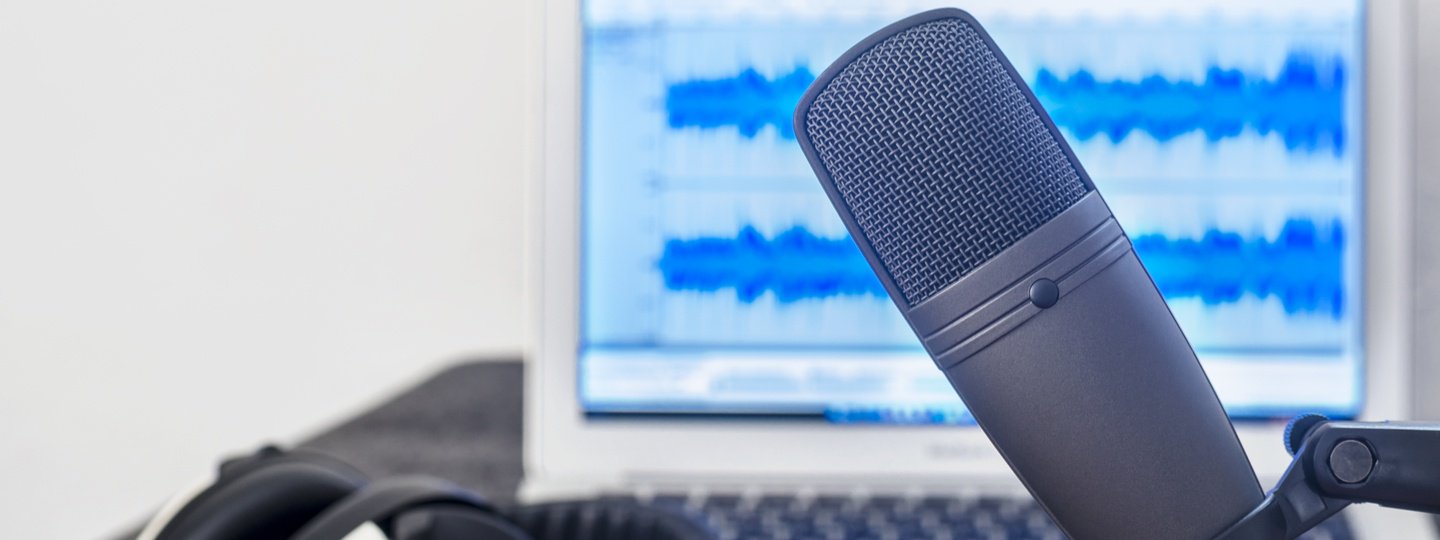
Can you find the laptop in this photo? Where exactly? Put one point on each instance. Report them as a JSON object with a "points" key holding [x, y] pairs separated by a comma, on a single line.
{"points": [[708, 338]]}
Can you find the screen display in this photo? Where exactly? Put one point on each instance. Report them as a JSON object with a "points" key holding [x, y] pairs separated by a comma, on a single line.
{"points": [[717, 279]]}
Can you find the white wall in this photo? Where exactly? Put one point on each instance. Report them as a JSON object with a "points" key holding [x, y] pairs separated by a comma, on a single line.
{"points": [[222, 222]]}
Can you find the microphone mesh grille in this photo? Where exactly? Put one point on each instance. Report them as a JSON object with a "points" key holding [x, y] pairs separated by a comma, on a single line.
{"points": [[938, 152]]}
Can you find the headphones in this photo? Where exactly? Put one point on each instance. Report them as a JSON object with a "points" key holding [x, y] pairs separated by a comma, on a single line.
{"points": [[303, 495]]}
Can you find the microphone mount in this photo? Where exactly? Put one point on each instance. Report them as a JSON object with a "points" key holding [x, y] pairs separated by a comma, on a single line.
{"points": [[1339, 463]]}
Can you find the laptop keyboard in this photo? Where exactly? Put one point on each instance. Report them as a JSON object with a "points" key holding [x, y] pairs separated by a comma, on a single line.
{"points": [[788, 517]]}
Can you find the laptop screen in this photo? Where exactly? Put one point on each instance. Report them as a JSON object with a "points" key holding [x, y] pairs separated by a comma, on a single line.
{"points": [[716, 278]]}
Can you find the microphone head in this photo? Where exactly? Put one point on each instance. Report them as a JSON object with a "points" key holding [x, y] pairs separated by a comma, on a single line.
{"points": [[942, 157]]}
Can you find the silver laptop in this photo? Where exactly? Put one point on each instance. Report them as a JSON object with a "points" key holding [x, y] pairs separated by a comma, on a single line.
{"points": [[708, 337]]}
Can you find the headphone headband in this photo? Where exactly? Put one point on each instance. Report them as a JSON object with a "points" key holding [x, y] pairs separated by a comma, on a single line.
{"points": [[384, 499], [268, 488]]}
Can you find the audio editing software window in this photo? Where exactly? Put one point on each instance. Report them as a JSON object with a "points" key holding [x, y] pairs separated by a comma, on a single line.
{"points": [[717, 279]]}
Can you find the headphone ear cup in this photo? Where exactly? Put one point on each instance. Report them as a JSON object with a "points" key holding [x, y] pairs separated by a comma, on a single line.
{"points": [[268, 495], [604, 520]]}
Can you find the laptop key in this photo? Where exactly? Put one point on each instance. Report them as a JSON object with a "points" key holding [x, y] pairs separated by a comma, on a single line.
{"points": [[722, 502]]}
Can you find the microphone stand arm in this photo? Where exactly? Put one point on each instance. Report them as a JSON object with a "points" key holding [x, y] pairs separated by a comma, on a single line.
{"points": [[1395, 464]]}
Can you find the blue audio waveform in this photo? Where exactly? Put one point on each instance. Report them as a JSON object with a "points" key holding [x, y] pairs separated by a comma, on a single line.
{"points": [[1301, 267], [794, 265], [749, 101], [1304, 103]]}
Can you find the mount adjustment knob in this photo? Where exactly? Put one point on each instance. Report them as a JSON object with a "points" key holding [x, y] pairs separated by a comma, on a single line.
{"points": [[1299, 428]]}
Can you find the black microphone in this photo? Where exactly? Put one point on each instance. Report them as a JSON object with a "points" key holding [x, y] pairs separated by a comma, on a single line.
{"points": [[1008, 265]]}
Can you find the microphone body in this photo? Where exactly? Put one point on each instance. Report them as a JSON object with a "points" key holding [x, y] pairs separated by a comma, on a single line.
{"points": [[1007, 263]]}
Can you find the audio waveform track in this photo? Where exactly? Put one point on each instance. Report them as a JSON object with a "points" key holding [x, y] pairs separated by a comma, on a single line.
{"points": [[795, 265], [1304, 104], [748, 101], [1301, 267]]}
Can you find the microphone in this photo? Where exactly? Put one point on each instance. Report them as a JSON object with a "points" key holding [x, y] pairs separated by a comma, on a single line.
{"points": [[1006, 262]]}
